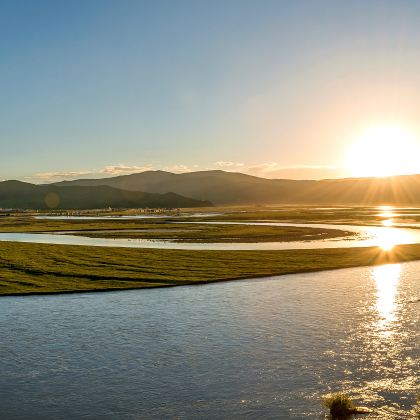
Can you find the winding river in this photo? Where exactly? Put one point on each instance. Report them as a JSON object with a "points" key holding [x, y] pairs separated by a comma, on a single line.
{"points": [[385, 237], [263, 348]]}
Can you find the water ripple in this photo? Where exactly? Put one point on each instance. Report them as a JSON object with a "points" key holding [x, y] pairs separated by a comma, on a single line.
{"points": [[269, 348]]}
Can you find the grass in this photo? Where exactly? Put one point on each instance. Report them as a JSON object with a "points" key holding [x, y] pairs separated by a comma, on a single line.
{"points": [[161, 229], [27, 268], [222, 233], [345, 215], [340, 405], [28, 224]]}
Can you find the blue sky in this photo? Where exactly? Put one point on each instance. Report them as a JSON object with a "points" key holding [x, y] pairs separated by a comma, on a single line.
{"points": [[274, 88]]}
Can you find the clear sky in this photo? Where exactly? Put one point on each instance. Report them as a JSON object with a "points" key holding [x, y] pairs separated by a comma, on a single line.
{"points": [[274, 88]]}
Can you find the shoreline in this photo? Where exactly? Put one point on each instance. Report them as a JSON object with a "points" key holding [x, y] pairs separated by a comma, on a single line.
{"points": [[273, 263]]}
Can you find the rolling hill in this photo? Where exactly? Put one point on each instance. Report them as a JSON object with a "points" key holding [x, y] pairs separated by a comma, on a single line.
{"points": [[16, 194], [228, 188]]}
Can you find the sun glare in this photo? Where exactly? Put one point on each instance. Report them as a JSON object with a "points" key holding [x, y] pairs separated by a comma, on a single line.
{"points": [[386, 278], [384, 151]]}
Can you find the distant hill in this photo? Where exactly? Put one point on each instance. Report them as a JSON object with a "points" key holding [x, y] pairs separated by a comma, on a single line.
{"points": [[235, 188], [16, 194]]}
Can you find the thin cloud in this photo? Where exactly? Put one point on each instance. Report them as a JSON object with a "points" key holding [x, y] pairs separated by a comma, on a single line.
{"points": [[228, 164], [55, 176], [124, 169], [265, 170], [109, 170]]}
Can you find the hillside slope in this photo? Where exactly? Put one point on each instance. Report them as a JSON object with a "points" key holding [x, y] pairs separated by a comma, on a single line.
{"points": [[235, 188], [16, 194]]}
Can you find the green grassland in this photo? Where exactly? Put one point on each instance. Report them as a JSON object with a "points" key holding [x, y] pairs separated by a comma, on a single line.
{"points": [[220, 233], [311, 214], [162, 230], [44, 268], [29, 268], [29, 224]]}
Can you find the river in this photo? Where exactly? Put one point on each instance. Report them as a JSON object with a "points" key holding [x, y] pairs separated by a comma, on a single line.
{"points": [[385, 237], [267, 348]]}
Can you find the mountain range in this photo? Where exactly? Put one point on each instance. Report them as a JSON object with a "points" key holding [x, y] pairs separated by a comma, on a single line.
{"points": [[205, 188], [22, 195], [229, 188]]}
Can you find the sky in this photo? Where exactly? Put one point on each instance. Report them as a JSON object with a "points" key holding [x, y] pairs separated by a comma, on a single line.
{"points": [[280, 89]]}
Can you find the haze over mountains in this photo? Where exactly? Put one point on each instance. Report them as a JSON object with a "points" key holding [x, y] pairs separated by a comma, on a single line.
{"points": [[228, 188], [22, 195], [201, 189]]}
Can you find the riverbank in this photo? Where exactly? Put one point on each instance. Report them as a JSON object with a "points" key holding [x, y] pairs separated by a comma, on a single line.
{"points": [[170, 230], [45, 268]]}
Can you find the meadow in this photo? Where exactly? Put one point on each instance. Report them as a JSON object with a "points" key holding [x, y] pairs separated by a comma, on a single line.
{"points": [[44, 268], [30, 268], [168, 229]]}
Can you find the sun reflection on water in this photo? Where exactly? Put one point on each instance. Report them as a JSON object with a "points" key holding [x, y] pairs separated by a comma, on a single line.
{"points": [[386, 214], [387, 237], [386, 208], [387, 223], [386, 279]]}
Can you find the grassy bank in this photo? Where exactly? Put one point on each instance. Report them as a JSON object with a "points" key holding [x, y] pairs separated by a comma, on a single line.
{"points": [[221, 233], [45, 268], [161, 229]]}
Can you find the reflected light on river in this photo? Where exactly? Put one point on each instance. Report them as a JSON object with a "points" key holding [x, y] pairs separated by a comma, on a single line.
{"points": [[386, 214], [388, 237], [386, 278]]}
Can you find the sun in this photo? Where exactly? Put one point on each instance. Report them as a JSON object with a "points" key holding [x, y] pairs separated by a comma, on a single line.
{"points": [[384, 150]]}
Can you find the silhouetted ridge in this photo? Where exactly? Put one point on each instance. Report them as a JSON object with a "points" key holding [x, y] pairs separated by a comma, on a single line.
{"points": [[235, 188], [16, 194]]}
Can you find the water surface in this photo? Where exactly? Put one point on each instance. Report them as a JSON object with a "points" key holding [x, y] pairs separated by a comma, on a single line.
{"points": [[129, 217], [385, 237], [267, 348]]}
